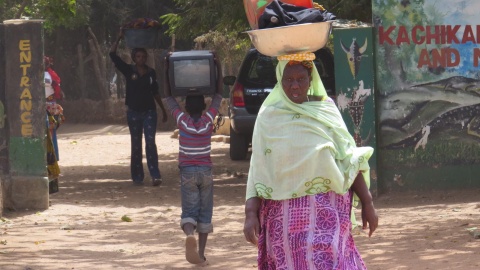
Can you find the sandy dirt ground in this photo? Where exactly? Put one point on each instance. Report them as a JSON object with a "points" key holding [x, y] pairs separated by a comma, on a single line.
{"points": [[83, 228]]}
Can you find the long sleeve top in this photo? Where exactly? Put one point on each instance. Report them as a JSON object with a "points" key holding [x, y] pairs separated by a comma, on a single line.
{"points": [[194, 136], [140, 90]]}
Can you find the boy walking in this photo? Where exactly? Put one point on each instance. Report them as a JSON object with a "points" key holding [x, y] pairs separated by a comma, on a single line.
{"points": [[195, 131]]}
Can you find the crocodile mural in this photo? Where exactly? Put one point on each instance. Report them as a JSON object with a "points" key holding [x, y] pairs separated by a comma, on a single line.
{"points": [[405, 114], [464, 121], [428, 93], [455, 83]]}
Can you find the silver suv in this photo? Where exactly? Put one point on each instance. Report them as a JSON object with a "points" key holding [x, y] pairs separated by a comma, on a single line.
{"points": [[254, 82]]}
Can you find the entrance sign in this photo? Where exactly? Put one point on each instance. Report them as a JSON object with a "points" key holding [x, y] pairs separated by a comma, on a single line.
{"points": [[26, 114]]}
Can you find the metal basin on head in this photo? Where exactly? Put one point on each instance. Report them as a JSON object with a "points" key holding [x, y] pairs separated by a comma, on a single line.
{"points": [[299, 38]]}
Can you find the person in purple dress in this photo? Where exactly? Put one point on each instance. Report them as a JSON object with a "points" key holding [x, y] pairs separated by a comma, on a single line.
{"points": [[305, 174]]}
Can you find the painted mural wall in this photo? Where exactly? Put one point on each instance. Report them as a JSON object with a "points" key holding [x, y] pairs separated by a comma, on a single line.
{"points": [[355, 83], [428, 93]]}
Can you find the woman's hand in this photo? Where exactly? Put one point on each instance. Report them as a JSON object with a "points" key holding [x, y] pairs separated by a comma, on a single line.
{"points": [[251, 228], [369, 215]]}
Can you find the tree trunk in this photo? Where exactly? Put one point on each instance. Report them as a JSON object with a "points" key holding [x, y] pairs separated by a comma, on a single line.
{"points": [[101, 57], [98, 65], [22, 7], [81, 72], [99, 76], [172, 46]]}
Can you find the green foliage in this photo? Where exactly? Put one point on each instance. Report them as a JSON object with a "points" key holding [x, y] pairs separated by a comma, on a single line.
{"points": [[207, 20], [360, 10], [229, 47], [195, 18], [213, 25], [65, 13], [173, 21]]}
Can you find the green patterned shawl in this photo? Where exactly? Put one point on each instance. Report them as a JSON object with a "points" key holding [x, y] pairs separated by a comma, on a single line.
{"points": [[302, 149]]}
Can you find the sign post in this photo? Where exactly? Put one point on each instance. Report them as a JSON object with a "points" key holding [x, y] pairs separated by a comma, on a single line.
{"points": [[355, 83], [25, 102]]}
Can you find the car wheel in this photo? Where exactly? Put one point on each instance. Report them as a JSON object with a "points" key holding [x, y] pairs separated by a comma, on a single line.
{"points": [[238, 146]]}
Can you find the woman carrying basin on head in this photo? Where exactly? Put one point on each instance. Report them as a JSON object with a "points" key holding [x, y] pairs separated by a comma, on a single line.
{"points": [[305, 169], [141, 95]]}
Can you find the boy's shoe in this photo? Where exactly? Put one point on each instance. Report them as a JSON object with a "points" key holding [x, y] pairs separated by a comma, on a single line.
{"points": [[191, 253], [156, 182], [137, 183]]}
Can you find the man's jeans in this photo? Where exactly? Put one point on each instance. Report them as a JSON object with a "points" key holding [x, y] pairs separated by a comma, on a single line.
{"points": [[139, 123]]}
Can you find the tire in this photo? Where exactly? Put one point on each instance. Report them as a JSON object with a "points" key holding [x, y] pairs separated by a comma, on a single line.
{"points": [[238, 145]]}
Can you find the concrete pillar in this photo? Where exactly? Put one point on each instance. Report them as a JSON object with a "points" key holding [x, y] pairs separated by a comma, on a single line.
{"points": [[27, 186]]}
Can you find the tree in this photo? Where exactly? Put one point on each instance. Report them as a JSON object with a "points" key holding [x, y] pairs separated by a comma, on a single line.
{"points": [[194, 18], [61, 17], [208, 24], [229, 48], [65, 13], [360, 10], [405, 58], [213, 24]]}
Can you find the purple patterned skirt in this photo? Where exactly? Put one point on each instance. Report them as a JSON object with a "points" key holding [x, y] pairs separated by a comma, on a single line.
{"points": [[310, 232]]}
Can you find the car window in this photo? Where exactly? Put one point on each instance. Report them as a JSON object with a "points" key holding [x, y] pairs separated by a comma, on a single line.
{"points": [[325, 66], [262, 68], [320, 68]]}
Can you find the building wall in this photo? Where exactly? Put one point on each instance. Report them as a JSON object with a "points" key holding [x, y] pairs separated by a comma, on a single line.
{"points": [[428, 93]]}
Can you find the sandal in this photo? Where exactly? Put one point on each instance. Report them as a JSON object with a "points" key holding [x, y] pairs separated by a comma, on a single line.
{"points": [[191, 253], [204, 263]]}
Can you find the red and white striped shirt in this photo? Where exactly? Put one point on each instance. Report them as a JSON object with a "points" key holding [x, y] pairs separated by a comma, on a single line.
{"points": [[194, 136]]}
